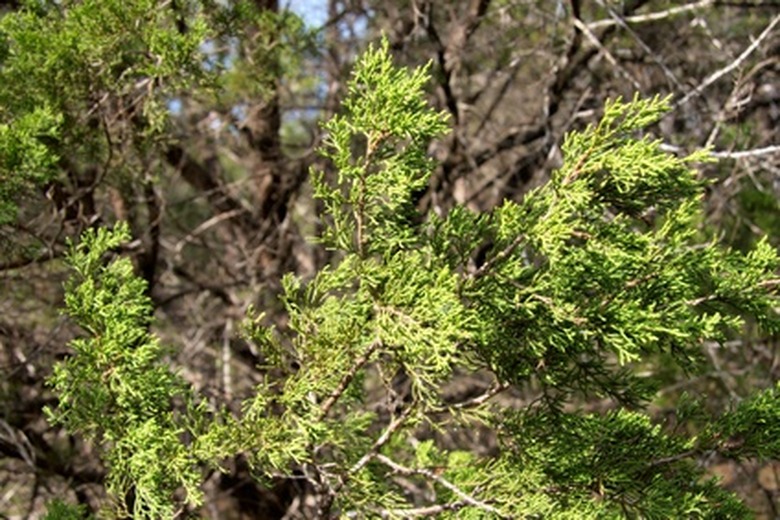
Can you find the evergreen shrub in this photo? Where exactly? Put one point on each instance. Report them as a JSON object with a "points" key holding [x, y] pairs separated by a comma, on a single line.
{"points": [[585, 291]]}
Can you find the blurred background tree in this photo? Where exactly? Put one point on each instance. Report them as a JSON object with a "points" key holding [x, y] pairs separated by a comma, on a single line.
{"points": [[196, 121]]}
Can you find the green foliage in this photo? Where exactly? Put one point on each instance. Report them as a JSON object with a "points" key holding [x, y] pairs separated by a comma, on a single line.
{"points": [[579, 285], [274, 44], [68, 67], [116, 388], [605, 261], [378, 147], [59, 510], [620, 462], [61, 55], [25, 159], [751, 430]]}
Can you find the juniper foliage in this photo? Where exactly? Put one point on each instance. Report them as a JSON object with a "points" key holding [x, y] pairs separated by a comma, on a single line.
{"points": [[116, 389], [52, 66], [582, 291]]}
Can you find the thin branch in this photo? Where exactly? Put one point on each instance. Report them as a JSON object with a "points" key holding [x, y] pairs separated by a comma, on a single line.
{"points": [[381, 441], [430, 475], [205, 226], [227, 376], [712, 78], [646, 48], [394, 425], [756, 152], [654, 17], [509, 81], [422, 511], [608, 55], [768, 150], [514, 138], [498, 258], [494, 389], [23, 262], [15, 437], [348, 377], [675, 458], [207, 181]]}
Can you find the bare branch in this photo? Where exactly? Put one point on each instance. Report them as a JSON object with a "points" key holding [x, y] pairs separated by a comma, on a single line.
{"points": [[712, 78], [657, 59], [423, 511], [592, 38], [654, 17], [756, 152], [382, 440], [498, 258], [430, 475], [205, 226], [348, 377], [495, 389]]}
